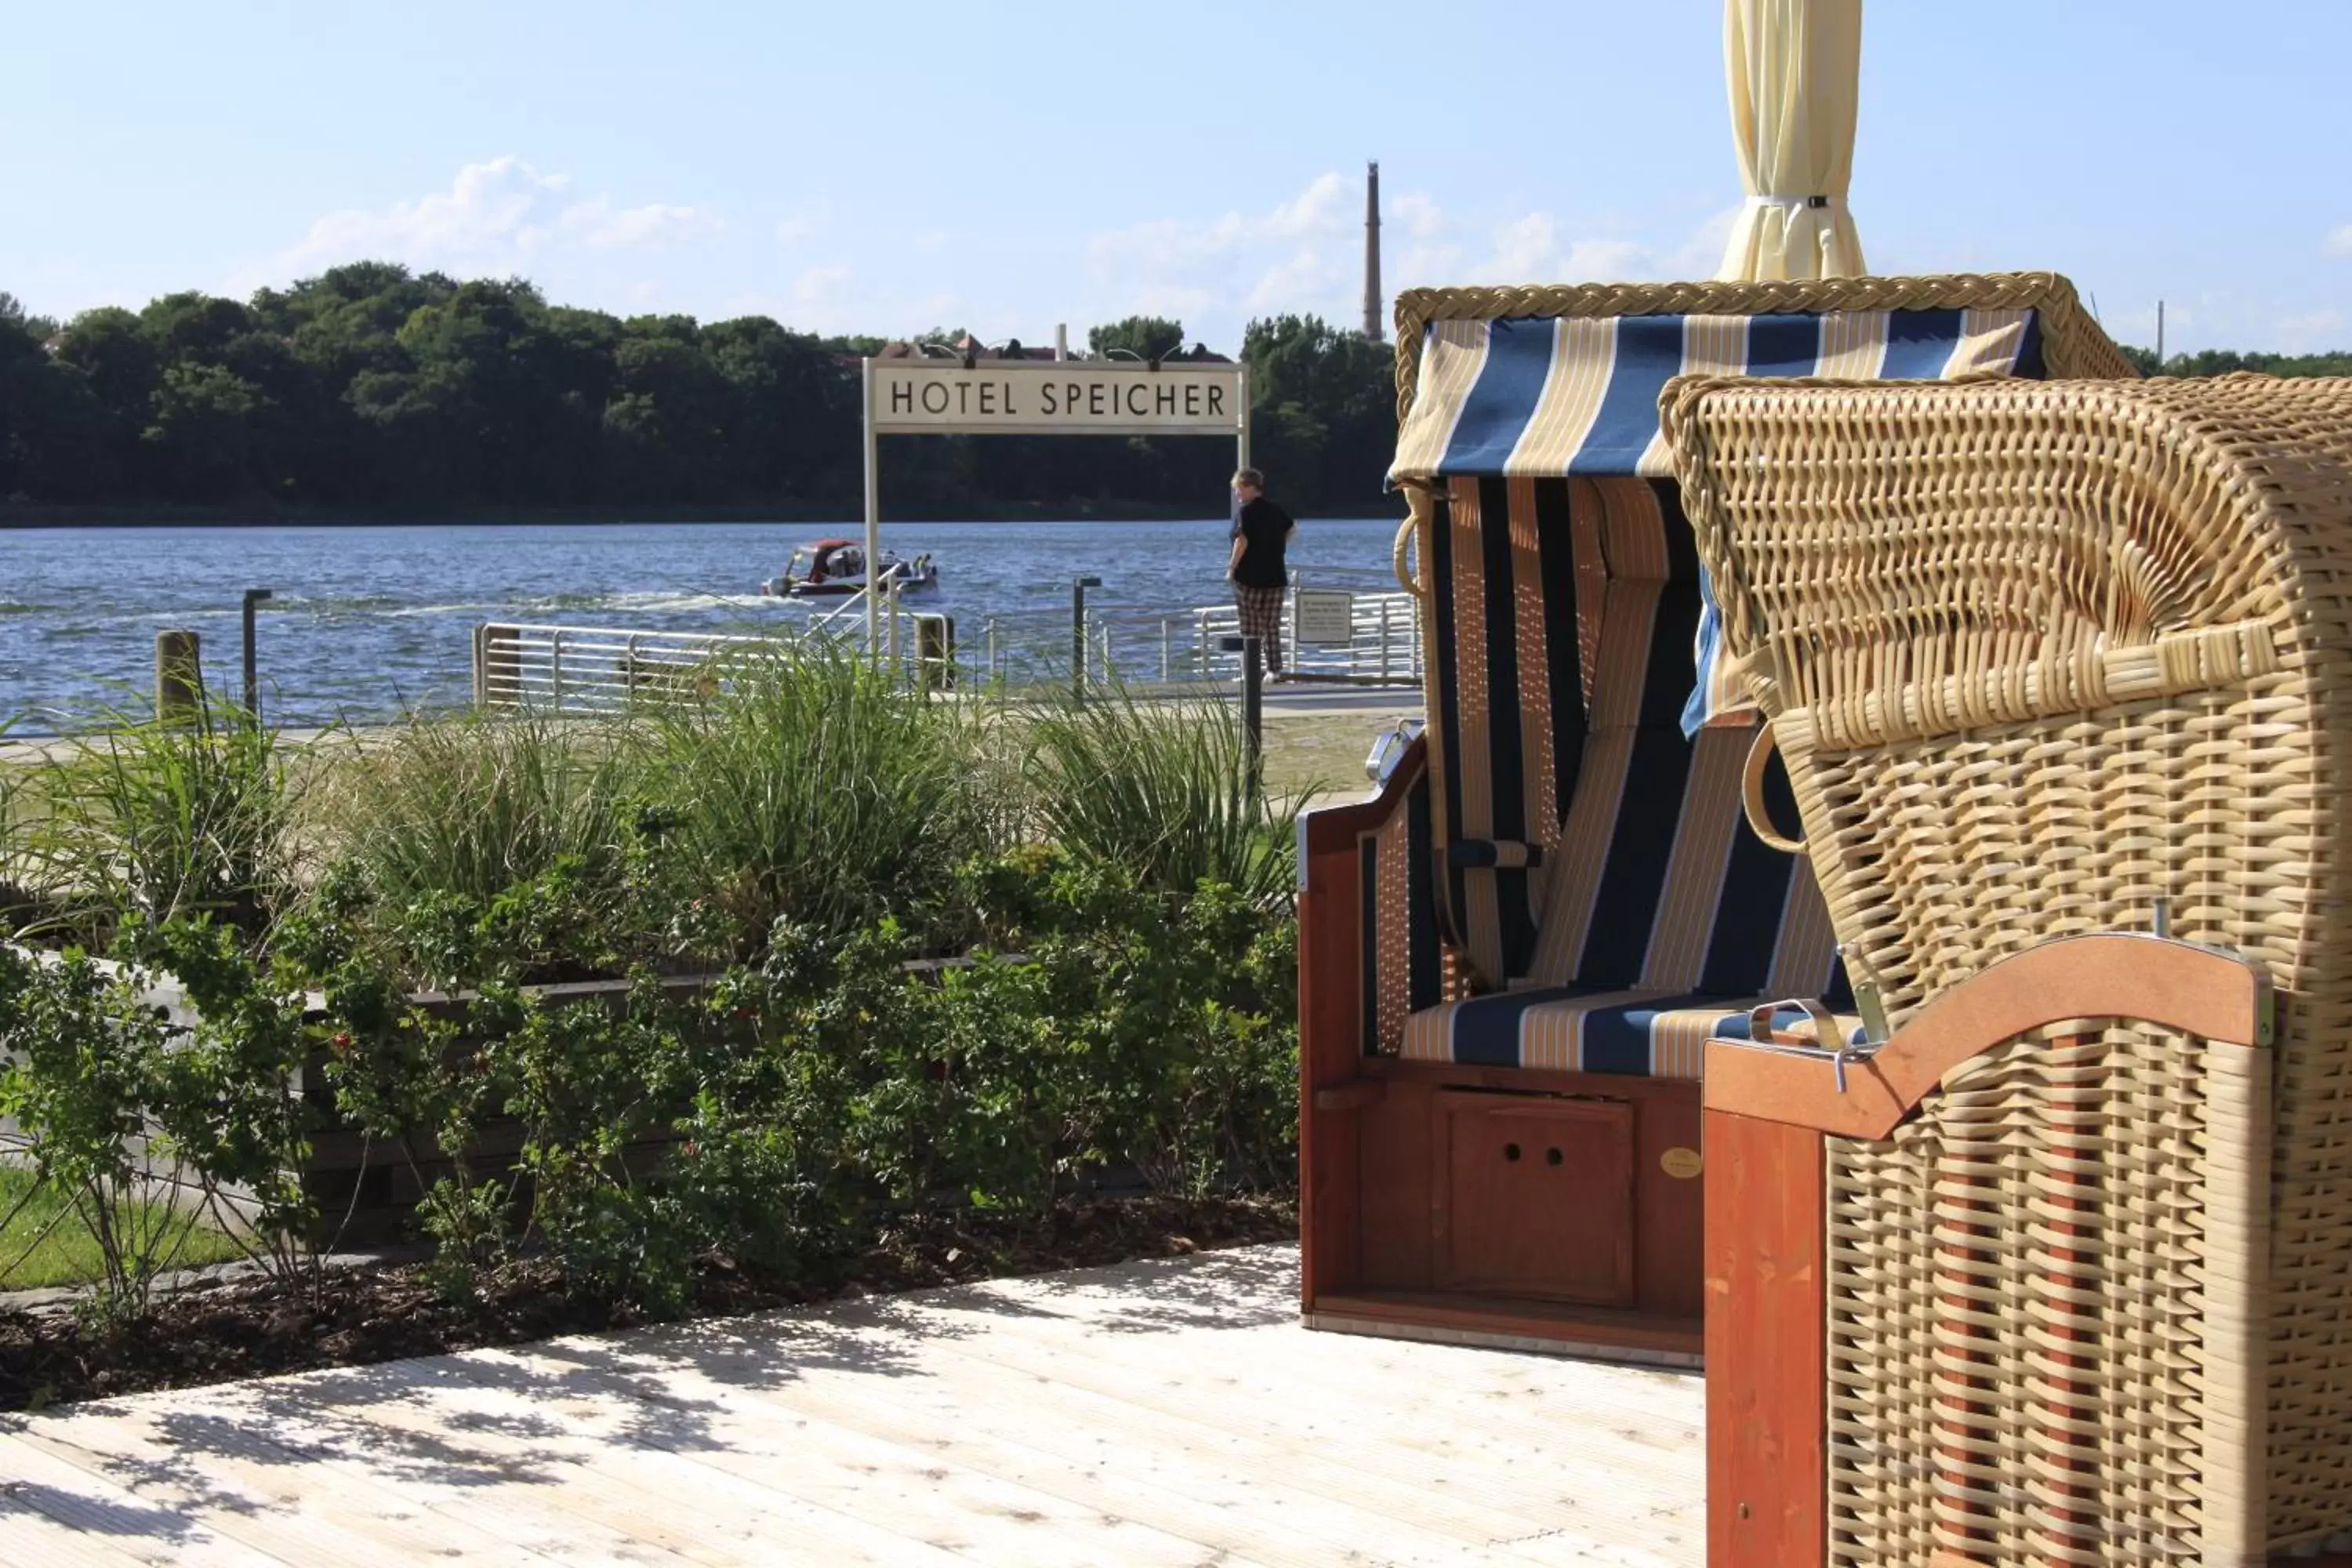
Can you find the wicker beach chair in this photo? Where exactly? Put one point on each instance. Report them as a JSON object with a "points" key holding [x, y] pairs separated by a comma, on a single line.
{"points": [[1514, 956], [2044, 661]]}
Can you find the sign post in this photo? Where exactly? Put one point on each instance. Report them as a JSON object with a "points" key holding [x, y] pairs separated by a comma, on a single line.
{"points": [[873, 524], [1039, 397]]}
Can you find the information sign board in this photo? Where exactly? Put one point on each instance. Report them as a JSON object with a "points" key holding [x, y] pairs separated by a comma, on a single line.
{"points": [[1325, 617]]}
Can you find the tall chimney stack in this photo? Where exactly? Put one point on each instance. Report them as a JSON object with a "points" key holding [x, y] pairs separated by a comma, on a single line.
{"points": [[1373, 302]]}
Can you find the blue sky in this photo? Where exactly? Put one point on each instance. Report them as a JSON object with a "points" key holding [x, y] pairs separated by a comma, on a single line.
{"points": [[888, 167]]}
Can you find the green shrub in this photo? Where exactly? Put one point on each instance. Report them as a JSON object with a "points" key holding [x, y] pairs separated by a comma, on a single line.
{"points": [[814, 790], [226, 1100], [17, 864], [80, 1056], [471, 806], [168, 821], [810, 825], [590, 1081], [1161, 791], [141, 1132], [1185, 1012]]}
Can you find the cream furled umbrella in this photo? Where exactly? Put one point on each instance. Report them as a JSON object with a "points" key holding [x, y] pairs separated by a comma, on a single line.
{"points": [[1794, 68]]}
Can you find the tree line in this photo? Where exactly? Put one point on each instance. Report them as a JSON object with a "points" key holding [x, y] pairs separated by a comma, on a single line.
{"points": [[370, 390], [2222, 362]]}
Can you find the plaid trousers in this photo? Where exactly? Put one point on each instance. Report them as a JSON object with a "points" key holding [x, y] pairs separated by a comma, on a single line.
{"points": [[1261, 612]]}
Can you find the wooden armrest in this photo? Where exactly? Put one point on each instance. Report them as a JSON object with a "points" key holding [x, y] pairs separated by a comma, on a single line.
{"points": [[1335, 827], [2200, 991]]}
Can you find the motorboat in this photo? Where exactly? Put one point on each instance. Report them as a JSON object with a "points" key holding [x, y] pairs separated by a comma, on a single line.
{"points": [[828, 568]]}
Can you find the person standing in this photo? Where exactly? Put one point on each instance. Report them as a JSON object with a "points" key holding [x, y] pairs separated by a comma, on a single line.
{"points": [[1261, 532]]}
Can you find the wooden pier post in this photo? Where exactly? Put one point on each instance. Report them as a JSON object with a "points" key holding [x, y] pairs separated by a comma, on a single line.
{"points": [[179, 677]]}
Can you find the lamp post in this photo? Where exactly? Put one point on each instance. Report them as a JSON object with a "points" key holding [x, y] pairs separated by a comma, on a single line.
{"points": [[1253, 701], [252, 683]]}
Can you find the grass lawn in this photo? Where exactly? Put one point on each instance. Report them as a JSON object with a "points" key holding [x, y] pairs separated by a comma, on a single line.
{"points": [[1322, 755], [67, 1255]]}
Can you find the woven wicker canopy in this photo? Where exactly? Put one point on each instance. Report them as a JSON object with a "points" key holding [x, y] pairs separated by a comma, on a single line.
{"points": [[1793, 68]]}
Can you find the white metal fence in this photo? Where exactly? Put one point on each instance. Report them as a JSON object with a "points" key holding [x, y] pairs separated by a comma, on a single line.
{"points": [[1144, 647], [605, 669], [597, 669]]}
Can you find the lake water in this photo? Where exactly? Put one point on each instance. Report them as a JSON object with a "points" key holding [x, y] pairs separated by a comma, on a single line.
{"points": [[367, 620]]}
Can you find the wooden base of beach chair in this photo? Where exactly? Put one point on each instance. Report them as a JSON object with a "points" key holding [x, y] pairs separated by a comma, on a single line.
{"points": [[1541, 1210]]}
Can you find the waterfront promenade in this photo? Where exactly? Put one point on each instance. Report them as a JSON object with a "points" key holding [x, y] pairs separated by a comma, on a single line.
{"points": [[1160, 1412]]}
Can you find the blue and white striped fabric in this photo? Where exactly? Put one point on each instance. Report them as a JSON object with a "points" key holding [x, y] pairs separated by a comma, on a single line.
{"points": [[1545, 397]]}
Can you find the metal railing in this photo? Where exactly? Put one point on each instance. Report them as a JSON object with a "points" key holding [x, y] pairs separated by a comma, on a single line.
{"points": [[598, 669], [1141, 647], [605, 669]]}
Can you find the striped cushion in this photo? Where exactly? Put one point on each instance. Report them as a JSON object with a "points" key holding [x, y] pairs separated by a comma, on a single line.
{"points": [[1587, 854], [1504, 636], [1725, 925], [1636, 1034], [1535, 398], [1543, 397]]}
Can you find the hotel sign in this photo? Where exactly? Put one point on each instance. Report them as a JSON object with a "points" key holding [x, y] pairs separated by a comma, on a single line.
{"points": [[1055, 397]]}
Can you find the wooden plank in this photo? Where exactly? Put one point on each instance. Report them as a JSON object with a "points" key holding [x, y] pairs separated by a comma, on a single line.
{"points": [[1537, 1439], [616, 1469], [1400, 1070], [1354, 1094], [1118, 1316], [505, 1483], [1167, 1412], [99, 1508], [1440, 1465], [1767, 1353], [1599, 1328], [917, 1484], [1042, 1474], [1102, 1320], [229, 1477], [31, 1539], [1038, 1386]]}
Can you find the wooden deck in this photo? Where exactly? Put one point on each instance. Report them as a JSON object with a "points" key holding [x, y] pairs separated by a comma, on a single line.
{"points": [[1168, 1413]]}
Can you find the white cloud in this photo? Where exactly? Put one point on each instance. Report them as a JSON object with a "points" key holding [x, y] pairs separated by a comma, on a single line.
{"points": [[1522, 248], [794, 228], [1305, 253], [1317, 209], [1538, 247], [1303, 275], [1416, 213], [817, 286], [599, 225], [2312, 331], [1300, 254], [501, 215], [2339, 240], [503, 208]]}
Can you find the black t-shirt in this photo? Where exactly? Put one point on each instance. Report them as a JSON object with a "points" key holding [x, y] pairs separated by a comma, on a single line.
{"points": [[1264, 526]]}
